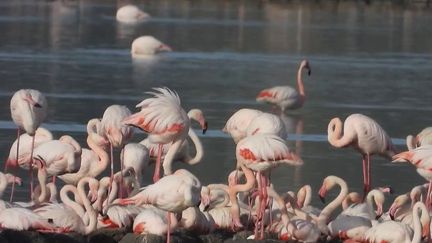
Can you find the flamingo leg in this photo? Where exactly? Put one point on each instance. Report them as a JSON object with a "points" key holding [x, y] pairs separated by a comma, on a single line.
{"points": [[428, 196], [31, 168], [121, 174], [17, 153], [364, 176], [169, 227], [54, 179], [112, 168], [264, 182], [368, 185], [156, 175], [259, 216]]}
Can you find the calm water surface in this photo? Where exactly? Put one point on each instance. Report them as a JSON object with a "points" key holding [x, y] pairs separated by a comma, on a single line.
{"points": [[375, 60]]}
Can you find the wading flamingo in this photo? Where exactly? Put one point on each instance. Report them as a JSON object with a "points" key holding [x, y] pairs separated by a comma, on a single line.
{"points": [[366, 136], [166, 122], [145, 46], [131, 14], [29, 108], [286, 97]]}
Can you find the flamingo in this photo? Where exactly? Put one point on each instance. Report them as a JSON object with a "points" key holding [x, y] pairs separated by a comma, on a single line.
{"points": [[366, 136], [286, 97], [131, 14], [135, 157], [421, 158], [260, 153], [193, 219], [172, 193], [145, 46], [423, 138], [94, 160], [59, 156], [154, 221], [267, 123], [28, 110], [237, 124], [165, 121], [183, 152], [69, 215], [392, 231]]}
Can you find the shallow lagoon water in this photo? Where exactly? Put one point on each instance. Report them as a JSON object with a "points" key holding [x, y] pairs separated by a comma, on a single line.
{"points": [[373, 59]]}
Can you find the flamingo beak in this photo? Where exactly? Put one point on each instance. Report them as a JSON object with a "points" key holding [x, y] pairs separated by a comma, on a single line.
{"points": [[322, 193], [309, 72], [204, 128], [164, 47]]}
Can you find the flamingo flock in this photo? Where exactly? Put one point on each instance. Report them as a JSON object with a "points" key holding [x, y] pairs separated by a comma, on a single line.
{"points": [[177, 199]]}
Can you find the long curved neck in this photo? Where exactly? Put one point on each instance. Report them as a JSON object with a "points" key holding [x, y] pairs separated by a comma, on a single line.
{"points": [[232, 191], [300, 85], [410, 142], [335, 137], [198, 148], [52, 192], [101, 153], [169, 157], [69, 202], [326, 212], [370, 198], [89, 209], [304, 196], [42, 177], [417, 224], [3, 183]]}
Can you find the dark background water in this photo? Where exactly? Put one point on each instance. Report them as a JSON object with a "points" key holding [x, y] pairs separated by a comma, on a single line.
{"points": [[373, 59]]}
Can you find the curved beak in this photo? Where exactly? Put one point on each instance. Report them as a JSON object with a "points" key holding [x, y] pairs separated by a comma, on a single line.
{"points": [[204, 128]]}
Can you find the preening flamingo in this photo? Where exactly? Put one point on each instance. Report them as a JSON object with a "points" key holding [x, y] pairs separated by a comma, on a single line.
{"points": [[422, 138], [135, 157], [131, 14], [166, 122], [28, 110], [366, 136], [145, 46], [286, 97], [237, 124], [183, 154]]}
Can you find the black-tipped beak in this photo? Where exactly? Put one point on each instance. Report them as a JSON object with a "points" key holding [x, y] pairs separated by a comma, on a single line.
{"points": [[37, 105], [309, 72], [392, 216], [378, 216], [205, 128], [322, 199], [206, 208], [391, 190]]}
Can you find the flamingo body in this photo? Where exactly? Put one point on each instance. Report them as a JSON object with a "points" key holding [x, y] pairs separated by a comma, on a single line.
{"points": [[237, 124], [130, 14], [147, 46]]}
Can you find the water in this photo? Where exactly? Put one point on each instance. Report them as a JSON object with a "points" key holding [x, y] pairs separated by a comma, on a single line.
{"points": [[372, 59]]}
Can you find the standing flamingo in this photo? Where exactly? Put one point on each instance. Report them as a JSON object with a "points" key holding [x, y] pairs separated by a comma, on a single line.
{"points": [[366, 136], [421, 158], [172, 193], [183, 153], [238, 123], [28, 110], [166, 122], [286, 97], [260, 153], [423, 138]]}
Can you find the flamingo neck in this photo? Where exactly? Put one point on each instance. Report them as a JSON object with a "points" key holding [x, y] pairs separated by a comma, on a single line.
{"points": [[372, 196], [91, 226], [335, 137], [417, 223], [326, 212], [282, 206], [42, 177], [198, 148], [233, 190], [300, 85], [112, 195], [52, 192], [304, 196], [69, 202], [101, 153], [3, 183], [410, 142], [169, 157]]}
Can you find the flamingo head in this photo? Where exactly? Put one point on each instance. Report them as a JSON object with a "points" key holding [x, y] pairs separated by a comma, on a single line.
{"points": [[205, 198], [397, 204], [322, 192], [197, 115], [305, 64], [29, 99]]}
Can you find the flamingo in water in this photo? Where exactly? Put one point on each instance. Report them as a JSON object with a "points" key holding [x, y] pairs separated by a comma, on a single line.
{"points": [[166, 122], [286, 97], [146, 46], [28, 110], [366, 136], [131, 14]]}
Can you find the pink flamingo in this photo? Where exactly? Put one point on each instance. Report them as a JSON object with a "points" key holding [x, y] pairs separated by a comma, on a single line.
{"points": [[286, 97], [166, 122], [172, 193], [421, 158], [238, 123], [94, 160], [28, 110], [115, 131], [152, 220], [183, 153], [131, 14], [423, 138], [135, 157], [145, 46], [366, 136], [260, 153]]}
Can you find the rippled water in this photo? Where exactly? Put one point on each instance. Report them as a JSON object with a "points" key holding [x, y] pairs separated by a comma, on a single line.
{"points": [[371, 59]]}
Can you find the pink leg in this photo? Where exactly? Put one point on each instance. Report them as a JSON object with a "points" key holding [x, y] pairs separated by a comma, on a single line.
{"points": [[156, 175], [364, 176], [259, 215], [112, 169], [169, 227], [368, 173], [264, 182], [428, 195], [54, 179], [31, 168], [121, 174], [17, 153]]}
